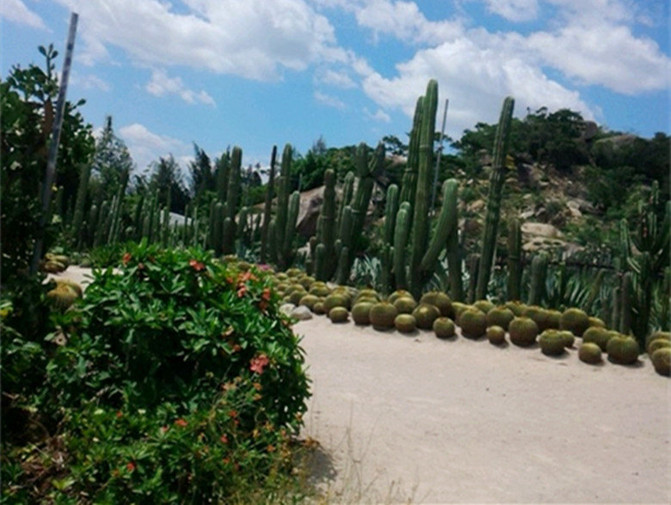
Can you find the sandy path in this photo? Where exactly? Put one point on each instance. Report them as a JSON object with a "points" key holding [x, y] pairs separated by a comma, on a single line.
{"points": [[459, 421]]}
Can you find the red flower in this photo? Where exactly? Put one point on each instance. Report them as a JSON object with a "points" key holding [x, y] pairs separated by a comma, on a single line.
{"points": [[164, 429], [126, 258], [181, 422], [224, 439], [241, 291], [130, 466], [119, 414], [197, 265], [233, 413], [266, 294], [258, 363]]}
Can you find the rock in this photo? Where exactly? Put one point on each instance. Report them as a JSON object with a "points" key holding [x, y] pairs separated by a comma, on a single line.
{"points": [[301, 313], [541, 230], [287, 308], [476, 206], [311, 204]]}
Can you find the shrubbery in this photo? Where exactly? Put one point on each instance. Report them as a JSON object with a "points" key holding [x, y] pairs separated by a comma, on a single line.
{"points": [[176, 378]]}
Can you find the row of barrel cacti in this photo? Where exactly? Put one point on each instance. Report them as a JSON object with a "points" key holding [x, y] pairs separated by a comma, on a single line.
{"points": [[524, 325]]}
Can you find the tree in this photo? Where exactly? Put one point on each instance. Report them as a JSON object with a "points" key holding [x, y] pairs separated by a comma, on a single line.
{"points": [[112, 163], [26, 101], [202, 175], [166, 179]]}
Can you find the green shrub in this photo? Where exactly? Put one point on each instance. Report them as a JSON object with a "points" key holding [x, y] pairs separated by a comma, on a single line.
{"points": [[179, 379]]}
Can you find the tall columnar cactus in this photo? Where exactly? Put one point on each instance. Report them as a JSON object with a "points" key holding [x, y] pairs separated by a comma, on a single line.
{"points": [[283, 191], [346, 199], [326, 228], [231, 205], [514, 260], [401, 235], [420, 228], [645, 255], [82, 190], [387, 252], [539, 271], [267, 207], [454, 263], [223, 175], [496, 180], [409, 181]]}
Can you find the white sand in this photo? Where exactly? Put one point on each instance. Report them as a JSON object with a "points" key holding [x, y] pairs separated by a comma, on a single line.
{"points": [[461, 421]]}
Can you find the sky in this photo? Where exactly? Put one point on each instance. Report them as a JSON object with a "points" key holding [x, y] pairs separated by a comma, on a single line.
{"points": [[258, 73]]}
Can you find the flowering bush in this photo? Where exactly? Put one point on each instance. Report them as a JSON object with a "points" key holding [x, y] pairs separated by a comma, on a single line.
{"points": [[177, 372]]}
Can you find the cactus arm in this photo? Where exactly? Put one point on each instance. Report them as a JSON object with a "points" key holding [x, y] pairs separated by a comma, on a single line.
{"points": [[447, 222], [539, 270], [390, 210], [514, 260], [409, 180], [401, 234], [496, 180]]}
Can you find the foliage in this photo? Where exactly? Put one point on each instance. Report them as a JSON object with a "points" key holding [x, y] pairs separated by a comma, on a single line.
{"points": [[166, 179], [175, 379], [26, 100], [111, 164]]}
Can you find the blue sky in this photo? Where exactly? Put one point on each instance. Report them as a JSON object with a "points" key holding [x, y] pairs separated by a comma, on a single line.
{"points": [[255, 73]]}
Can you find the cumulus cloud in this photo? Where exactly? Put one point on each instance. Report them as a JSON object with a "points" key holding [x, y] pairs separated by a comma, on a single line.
{"points": [[514, 10], [605, 54], [336, 78], [146, 146], [17, 12], [329, 100], [475, 78], [378, 115], [255, 39], [161, 85]]}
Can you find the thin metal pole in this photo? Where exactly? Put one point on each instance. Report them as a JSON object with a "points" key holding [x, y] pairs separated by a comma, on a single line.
{"points": [[440, 151], [55, 139]]}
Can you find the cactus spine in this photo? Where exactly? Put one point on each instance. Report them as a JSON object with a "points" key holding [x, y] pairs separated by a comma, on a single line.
{"points": [[496, 180]]}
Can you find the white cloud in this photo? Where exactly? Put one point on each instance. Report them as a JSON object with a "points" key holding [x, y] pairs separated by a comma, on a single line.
{"points": [[161, 84], [379, 115], [17, 12], [254, 39], [146, 146], [475, 78], [514, 10], [405, 21], [89, 81], [605, 54], [329, 100], [337, 78]]}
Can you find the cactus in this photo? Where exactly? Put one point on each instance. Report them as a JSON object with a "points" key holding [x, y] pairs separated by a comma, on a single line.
{"points": [[405, 323], [494, 198], [622, 350], [473, 323], [500, 316], [425, 314], [401, 232], [326, 238], [496, 335], [267, 206], [574, 320], [382, 315], [661, 361], [444, 327], [589, 353], [338, 315], [552, 342], [231, 205], [514, 260], [405, 304], [409, 182], [523, 331], [539, 270], [78, 218], [360, 312]]}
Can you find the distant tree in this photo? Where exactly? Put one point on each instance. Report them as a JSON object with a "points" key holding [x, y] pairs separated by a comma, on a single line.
{"points": [[112, 163], [202, 175], [394, 146], [166, 179]]}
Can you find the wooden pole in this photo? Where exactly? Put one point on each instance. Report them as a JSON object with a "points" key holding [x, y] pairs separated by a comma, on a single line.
{"points": [[55, 139]]}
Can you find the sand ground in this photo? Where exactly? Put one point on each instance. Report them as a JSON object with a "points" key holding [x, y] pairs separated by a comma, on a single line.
{"points": [[416, 419], [459, 421]]}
